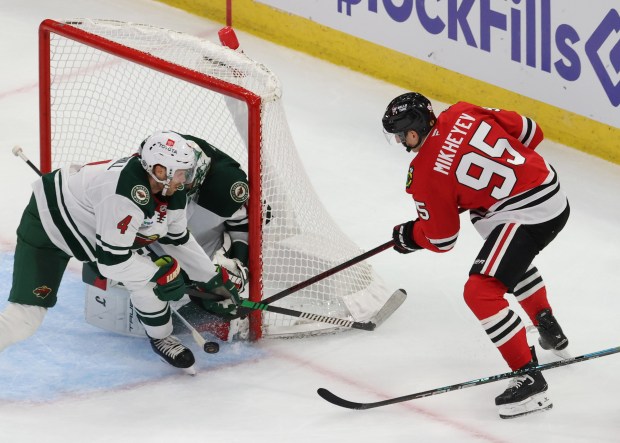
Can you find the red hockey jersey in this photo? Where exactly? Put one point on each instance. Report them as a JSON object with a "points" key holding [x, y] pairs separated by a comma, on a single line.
{"points": [[482, 160]]}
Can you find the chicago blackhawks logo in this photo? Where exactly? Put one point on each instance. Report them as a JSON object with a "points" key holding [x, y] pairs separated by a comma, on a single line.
{"points": [[42, 291], [140, 195], [409, 177], [239, 192]]}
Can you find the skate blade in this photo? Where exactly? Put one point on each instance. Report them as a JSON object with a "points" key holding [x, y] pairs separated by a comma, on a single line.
{"points": [[535, 403], [563, 354], [189, 371]]}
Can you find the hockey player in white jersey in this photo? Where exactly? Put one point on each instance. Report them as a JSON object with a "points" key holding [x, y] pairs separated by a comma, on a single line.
{"points": [[217, 218], [104, 212]]}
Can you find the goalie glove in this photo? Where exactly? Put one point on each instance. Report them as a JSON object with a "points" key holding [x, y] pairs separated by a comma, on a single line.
{"points": [[237, 271], [403, 238], [221, 280]]}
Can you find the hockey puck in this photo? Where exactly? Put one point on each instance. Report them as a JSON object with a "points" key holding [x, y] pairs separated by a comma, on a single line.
{"points": [[211, 347]]}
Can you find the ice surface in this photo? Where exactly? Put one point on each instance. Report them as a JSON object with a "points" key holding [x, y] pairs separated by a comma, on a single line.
{"points": [[73, 383]]}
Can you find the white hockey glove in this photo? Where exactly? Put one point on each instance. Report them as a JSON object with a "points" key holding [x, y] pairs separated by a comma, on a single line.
{"points": [[237, 271], [239, 274]]}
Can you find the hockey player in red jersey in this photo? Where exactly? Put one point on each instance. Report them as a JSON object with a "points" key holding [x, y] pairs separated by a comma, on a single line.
{"points": [[484, 160]]}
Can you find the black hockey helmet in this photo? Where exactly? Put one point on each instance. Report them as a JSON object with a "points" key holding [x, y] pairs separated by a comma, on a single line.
{"points": [[409, 111]]}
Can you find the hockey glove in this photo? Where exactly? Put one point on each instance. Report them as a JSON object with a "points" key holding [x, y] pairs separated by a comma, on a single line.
{"points": [[239, 276], [170, 284], [237, 272], [403, 238], [221, 280]]}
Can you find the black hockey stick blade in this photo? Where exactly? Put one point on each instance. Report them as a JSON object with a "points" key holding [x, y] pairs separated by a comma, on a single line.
{"points": [[338, 401]]}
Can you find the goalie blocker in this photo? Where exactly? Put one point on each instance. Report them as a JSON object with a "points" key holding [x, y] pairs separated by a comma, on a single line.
{"points": [[108, 307]]}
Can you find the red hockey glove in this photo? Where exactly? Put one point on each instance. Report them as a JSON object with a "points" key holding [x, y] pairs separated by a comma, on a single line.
{"points": [[403, 238], [169, 279]]}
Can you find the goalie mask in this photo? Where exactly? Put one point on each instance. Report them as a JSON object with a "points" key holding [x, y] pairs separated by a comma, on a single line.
{"points": [[408, 112], [178, 155], [203, 163]]}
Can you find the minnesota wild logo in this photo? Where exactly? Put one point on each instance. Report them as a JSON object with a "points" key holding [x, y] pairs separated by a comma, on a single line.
{"points": [[140, 195], [42, 291], [239, 192]]}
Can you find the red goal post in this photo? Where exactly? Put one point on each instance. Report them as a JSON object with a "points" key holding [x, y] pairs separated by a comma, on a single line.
{"points": [[253, 102], [106, 85]]}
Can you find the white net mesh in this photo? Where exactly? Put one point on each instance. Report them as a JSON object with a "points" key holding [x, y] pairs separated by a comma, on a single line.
{"points": [[103, 106]]}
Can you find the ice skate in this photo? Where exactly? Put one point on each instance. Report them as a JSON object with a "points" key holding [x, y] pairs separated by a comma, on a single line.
{"points": [[551, 336], [173, 352], [525, 394]]}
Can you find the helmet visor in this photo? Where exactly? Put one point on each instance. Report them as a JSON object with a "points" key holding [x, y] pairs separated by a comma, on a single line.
{"points": [[185, 176], [397, 138]]}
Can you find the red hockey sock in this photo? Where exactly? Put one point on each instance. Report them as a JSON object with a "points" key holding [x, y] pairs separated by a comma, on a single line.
{"points": [[535, 303], [485, 297], [516, 351]]}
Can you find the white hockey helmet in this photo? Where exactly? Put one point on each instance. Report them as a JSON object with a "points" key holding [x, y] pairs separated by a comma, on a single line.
{"points": [[168, 149]]}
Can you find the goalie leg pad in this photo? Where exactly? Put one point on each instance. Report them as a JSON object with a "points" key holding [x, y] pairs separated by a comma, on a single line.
{"points": [[112, 311], [136, 314]]}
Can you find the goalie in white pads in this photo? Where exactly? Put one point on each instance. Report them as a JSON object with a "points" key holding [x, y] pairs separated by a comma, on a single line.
{"points": [[104, 212], [217, 218]]}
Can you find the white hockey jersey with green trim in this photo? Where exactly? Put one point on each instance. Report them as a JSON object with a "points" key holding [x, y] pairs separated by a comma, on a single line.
{"points": [[105, 212]]}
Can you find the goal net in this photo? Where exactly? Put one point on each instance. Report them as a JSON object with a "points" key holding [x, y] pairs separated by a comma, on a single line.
{"points": [[106, 85]]}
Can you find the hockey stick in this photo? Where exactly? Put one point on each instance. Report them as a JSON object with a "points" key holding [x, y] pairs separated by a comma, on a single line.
{"points": [[338, 401], [200, 341], [264, 306], [366, 326], [395, 300], [19, 152], [327, 273], [251, 306]]}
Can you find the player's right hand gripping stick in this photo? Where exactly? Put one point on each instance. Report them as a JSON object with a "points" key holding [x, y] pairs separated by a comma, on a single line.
{"points": [[170, 284]]}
